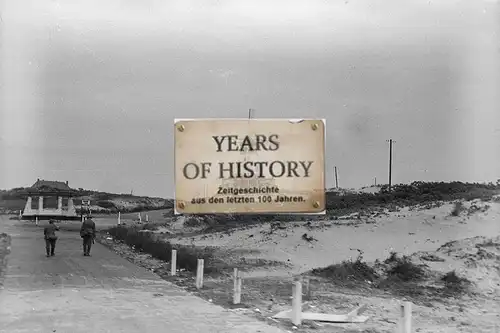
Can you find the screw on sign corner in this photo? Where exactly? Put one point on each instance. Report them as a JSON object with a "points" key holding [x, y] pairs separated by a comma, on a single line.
{"points": [[181, 128], [316, 204], [181, 205], [314, 127]]}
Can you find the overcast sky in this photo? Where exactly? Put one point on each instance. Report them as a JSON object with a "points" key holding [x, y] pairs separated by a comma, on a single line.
{"points": [[89, 89]]}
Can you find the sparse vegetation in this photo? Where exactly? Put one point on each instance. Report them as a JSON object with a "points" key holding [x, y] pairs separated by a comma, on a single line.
{"points": [[308, 238], [489, 243], [357, 270], [187, 256], [405, 270], [106, 204], [150, 226], [399, 274], [193, 221], [393, 257], [429, 194], [475, 209], [455, 283], [416, 193], [402, 268]]}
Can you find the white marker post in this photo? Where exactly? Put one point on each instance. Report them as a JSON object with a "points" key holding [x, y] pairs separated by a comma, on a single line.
{"points": [[20, 214], [297, 303], [119, 217], [405, 318], [140, 218], [36, 220], [147, 218], [235, 277], [237, 287], [199, 274], [173, 263]]}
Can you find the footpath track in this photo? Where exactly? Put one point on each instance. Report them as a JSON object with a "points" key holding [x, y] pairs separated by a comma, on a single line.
{"points": [[103, 293]]}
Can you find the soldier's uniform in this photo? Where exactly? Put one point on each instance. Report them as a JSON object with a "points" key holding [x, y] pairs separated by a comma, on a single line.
{"points": [[87, 232], [49, 233]]}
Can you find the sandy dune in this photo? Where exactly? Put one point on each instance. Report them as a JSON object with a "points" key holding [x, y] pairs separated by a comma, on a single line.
{"points": [[405, 232]]}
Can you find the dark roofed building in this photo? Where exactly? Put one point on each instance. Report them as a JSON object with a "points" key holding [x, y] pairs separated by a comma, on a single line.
{"points": [[48, 189], [50, 186]]}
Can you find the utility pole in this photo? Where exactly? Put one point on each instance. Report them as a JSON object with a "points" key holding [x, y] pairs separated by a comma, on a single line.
{"points": [[390, 162], [336, 178], [250, 116]]}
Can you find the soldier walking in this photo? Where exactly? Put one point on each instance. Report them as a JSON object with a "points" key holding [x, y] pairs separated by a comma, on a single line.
{"points": [[49, 233], [87, 232]]}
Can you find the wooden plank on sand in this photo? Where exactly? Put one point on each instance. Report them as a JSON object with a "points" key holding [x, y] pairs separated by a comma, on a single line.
{"points": [[332, 318], [357, 311], [283, 314]]}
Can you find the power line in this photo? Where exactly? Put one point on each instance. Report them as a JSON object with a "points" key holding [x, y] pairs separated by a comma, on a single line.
{"points": [[250, 116], [336, 178], [391, 141]]}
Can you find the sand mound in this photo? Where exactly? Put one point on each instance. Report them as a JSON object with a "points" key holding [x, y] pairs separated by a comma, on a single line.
{"points": [[476, 259]]}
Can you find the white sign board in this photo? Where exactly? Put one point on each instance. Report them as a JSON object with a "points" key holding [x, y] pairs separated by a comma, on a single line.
{"points": [[249, 166]]}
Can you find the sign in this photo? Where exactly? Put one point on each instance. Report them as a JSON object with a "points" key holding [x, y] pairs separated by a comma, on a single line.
{"points": [[249, 166]]}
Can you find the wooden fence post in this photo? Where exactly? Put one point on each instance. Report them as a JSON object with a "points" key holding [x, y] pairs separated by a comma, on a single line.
{"points": [[199, 274], [173, 263], [307, 287], [297, 303], [405, 317], [237, 287]]}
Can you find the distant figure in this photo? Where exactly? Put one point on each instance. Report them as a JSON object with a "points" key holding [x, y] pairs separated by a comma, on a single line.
{"points": [[49, 233], [87, 232]]}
